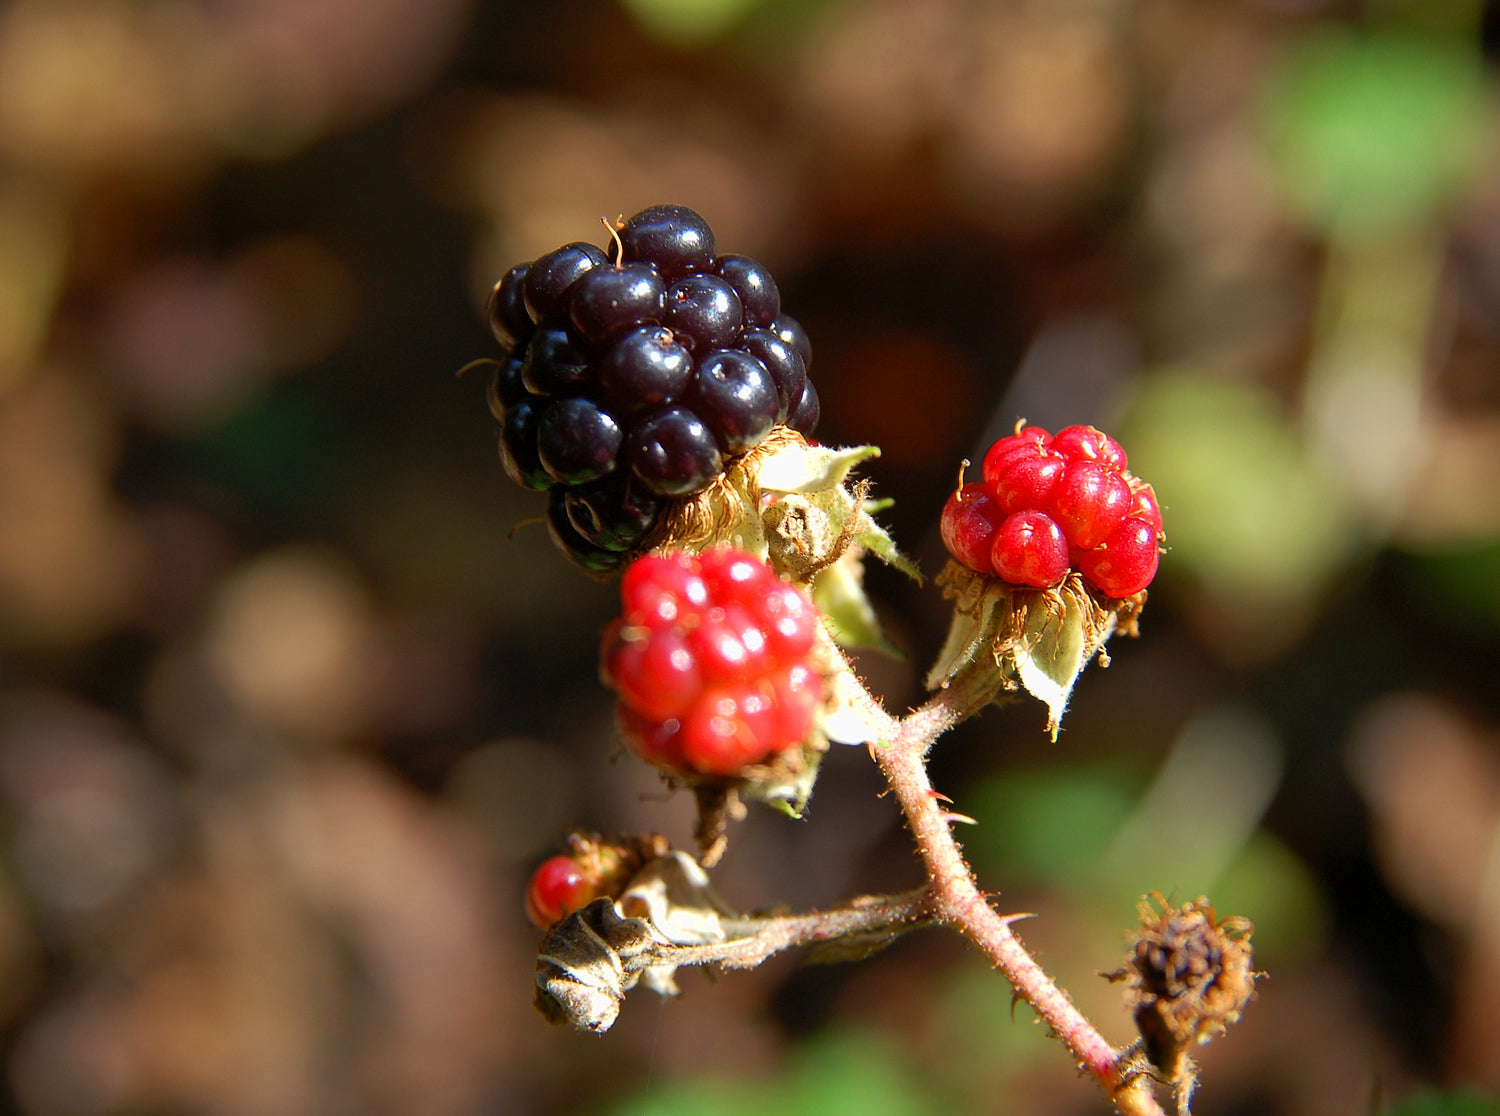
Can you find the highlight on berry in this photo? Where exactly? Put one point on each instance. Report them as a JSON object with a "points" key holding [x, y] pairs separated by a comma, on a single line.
{"points": [[634, 374], [1049, 504]]}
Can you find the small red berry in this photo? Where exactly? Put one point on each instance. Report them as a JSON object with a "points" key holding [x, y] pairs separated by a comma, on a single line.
{"points": [[1143, 504], [1051, 502], [558, 888], [1026, 482], [655, 741], [1090, 501], [731, 575], [789, 621], [720, 731], [1087, 443], [1126, 561], [728, 643], [657, 588], [1030, 550], [655, 673], [1029, 441], [799, 692], [969, 522]]}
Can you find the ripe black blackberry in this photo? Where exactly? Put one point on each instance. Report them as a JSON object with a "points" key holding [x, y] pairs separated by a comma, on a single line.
{"points": [[636, 374]]}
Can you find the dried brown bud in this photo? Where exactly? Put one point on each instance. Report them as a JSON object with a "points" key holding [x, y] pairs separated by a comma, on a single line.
{"points": [[1188, 976]]}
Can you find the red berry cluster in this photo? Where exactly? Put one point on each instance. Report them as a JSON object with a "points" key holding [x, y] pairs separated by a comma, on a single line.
{"points": [[558, 887], [711, 661], [1053, 503]]}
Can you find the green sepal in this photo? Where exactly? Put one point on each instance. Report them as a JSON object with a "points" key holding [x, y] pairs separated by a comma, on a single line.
{"points": [[839, 593], [804, 468], [1038, 640]]}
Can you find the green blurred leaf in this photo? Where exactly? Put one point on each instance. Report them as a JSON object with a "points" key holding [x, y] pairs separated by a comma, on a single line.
{"points": [[1051, 825], [277, 447], [853, 1073], [691, 1098], [687, 22], [1375, 134], [842, 1073], [1270, 885], [1461, 583], [1458, 1102], [985, 1034], [1244, 507]]}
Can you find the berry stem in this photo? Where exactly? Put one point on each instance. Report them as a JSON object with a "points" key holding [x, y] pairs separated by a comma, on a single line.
{"points": [[753, 940], [901, 753]]}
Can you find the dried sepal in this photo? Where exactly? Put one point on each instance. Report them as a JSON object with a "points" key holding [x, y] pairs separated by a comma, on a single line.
{"points": [[583, 968], [787, 502], [673, 894], [612, 864], [670, 916]]}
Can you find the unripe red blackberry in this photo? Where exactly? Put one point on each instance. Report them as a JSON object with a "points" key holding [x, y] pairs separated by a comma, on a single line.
{"points": [[1029, 549], [710, 659], [558, 887], [1048, 503], [970, 519]]}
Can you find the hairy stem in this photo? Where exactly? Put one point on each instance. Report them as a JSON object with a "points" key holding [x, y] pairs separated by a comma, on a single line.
{"points": [[876, 918], [901, 751]]}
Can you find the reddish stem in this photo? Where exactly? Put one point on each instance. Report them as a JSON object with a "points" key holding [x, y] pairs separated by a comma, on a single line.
{"points": [[901, 752]]}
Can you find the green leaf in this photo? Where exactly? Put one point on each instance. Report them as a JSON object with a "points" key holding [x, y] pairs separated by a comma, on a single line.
{"points": [[1457, 1102], [1050, 825], [1374, 134], [688, 23], [874, 538]]}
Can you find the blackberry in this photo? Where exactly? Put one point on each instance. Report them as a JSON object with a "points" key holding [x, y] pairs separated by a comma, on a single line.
{"points": [[736, 397], [549, 280], [608, 300], [615, 513], [509, 321], [674, 452], [646, 367], [705, 310], [506, 387], [565, 536], [633, 376], [518, 445], [790, 330], [553, 364], [672, 238], [804, 418], [757, 291], [783, 363], [577, 441]]}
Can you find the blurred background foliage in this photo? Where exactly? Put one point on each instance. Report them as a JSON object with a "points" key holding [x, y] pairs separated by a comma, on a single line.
{"points": [[294, 692]]}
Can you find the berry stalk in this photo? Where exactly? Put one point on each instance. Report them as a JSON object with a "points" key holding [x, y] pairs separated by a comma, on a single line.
{"points": [[900, 751]]}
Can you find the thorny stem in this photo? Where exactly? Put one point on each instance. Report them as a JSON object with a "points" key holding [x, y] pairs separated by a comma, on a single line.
{"points": [[900, 749]]}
